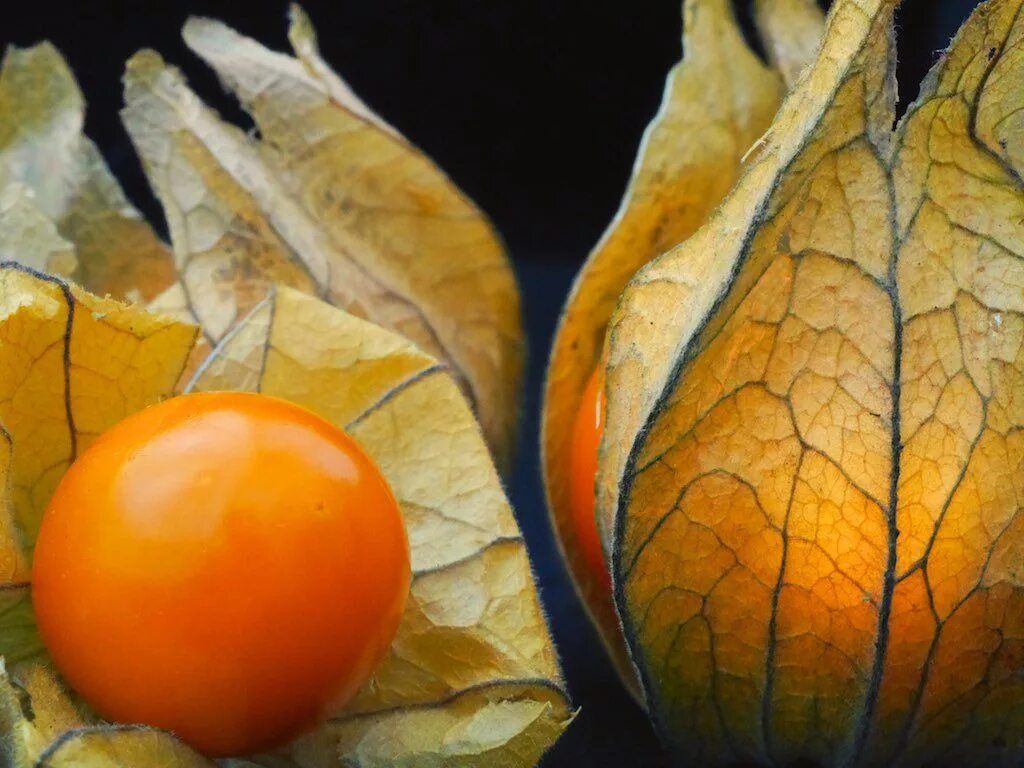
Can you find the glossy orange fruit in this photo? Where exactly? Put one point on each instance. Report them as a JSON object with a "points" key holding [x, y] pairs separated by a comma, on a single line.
{"points": [[586, 439], [227, 566]]}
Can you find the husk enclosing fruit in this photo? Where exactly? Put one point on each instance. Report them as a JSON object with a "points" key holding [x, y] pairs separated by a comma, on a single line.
{"points": [[813, 457], [718, 102], [267, 256]]}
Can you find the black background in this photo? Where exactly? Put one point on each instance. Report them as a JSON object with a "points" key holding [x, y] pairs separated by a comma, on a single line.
{"points": [[534, 107]]}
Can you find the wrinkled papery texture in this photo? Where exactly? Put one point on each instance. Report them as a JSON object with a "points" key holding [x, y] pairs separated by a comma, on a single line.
{"points": [[29, 236], [814, 430], [472, 677], [44, 153], [718, 101], [791, 32], [44, 729], [329, 200]]}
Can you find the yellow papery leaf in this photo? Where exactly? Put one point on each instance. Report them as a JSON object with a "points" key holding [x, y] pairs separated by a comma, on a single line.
{"points": [[791, 32], [73, 365], [331, 201], [42, 149], [27, 732], [43, 729], [718, 101], [302, 37], [472, 677], [813, 452], [28, 236], [19, 639], [504, 725]]}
